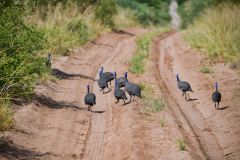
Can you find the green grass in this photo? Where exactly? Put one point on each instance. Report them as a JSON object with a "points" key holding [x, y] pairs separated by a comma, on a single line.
{"points": [[162, 122], [217, 33], [181, 144], [152, 103], [6, 116], [137, 62], [206, 69]]}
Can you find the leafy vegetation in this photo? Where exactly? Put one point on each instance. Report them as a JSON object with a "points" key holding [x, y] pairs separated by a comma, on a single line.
{"points": [[105, 11], [148, 12], [217, 33]]}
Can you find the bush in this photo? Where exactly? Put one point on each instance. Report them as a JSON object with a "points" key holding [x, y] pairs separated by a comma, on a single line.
{"points": [[148, 12], [20, 66], [217, 33], [105, 12]]}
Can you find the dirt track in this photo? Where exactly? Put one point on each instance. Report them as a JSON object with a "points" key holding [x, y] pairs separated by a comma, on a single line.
{"points": [[58, 125]]}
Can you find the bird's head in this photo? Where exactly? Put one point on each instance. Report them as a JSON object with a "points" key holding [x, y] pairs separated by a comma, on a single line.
{"points": [[116, 81], [216, 86], [100, 71], [88, 88], [125, 75], [177, 77]]}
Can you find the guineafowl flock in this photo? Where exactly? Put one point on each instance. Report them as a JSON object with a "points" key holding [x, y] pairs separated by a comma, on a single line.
{"points": [[131, 88]]}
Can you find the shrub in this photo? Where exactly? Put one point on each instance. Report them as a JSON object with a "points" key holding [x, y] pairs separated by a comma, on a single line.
{"points": [[20, 66], [105, 12]]}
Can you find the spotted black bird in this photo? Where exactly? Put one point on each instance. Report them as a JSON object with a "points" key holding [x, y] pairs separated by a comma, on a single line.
{"points": [[106, 75], [216, 96], [102, 83], [90, 98], [121, 81], [119, 93], [48, 62], [132, 89], [183, 86]]}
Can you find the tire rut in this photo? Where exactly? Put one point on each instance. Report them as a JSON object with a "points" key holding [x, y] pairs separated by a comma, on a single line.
{"points": [[204, 139]]}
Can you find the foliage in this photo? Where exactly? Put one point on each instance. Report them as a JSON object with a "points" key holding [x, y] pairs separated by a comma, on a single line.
{"points": [[217, 33], [191, 9], [105, 12], [19, 65], [148, 12]]}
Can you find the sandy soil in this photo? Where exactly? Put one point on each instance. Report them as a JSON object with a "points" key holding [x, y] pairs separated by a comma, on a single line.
{"points": [[58, 126], [217, 131]]}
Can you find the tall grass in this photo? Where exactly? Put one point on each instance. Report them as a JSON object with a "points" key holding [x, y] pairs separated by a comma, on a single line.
{"points": [[65, 27], [217, 33]]}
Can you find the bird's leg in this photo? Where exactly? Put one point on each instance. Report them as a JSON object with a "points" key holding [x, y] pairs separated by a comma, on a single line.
{"points": [[182, 93], [130, 98], [218, 106], [89, 108], [124, 101], [117, 101], [215, 105], [185, 95]]}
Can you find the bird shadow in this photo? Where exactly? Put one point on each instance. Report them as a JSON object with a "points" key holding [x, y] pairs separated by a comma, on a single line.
{"points": [[63, 75], [51, 103], [97, 111], [223, 108], [15, 152], [192, 99], [107, 91], [124, 104]]}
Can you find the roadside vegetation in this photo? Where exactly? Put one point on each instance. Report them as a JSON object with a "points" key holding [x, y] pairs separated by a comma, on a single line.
{"points": [[215, 29], [29, 29], [152, 103], [181, 144], [138, 61]]}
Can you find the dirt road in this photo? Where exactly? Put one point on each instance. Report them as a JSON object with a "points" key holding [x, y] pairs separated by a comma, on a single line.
{"points": [[216, 131], [58, 126]]}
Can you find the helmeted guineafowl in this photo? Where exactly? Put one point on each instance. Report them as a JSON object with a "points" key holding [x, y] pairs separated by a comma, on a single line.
{"points": [[216, 96], [183, 86], [106, 75], [121, 81], [132, 89], [48, 62], [119, 93], [90, 98], [102, 83]]}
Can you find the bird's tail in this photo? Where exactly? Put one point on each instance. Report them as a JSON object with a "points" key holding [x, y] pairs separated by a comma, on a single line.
{"points": [[139, 95]]}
